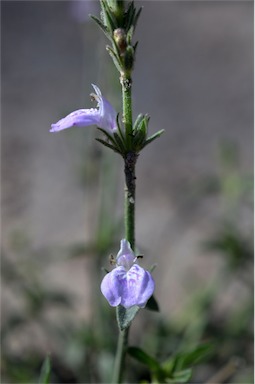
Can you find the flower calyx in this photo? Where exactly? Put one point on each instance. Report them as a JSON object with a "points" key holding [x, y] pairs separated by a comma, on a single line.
{"points": [[135, 142]]}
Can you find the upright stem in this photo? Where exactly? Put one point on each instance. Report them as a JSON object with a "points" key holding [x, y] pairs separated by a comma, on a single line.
{"points": [[129, 211], [120, 356], [130, 161], [130, 181], [126, 83]]}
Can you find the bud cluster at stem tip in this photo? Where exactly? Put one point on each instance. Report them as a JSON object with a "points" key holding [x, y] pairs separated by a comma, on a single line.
{"points": [[118, 23]]}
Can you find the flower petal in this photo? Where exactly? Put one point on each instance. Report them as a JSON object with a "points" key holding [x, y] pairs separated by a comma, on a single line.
{"points": [[125, 256], [112, 285], [130, 288], [107, 113], [80, 118], [139, 286]]}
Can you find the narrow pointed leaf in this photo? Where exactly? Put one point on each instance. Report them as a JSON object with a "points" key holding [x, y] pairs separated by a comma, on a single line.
{"points": [[138, 121], [138, 141], [182, 376], [109, 17], [108, 135], [129, 15], [101, 25], [135, 46], [130, 35], [144, 358], [115, 58], [119, 142], [119, 128], [108, 145], [199, 354], [45, 372], [184, 360], [153, 137], [136, 17]]}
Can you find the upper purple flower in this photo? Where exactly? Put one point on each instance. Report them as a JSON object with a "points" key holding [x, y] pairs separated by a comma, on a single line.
{"points": [[104, 116], [127, 284]]}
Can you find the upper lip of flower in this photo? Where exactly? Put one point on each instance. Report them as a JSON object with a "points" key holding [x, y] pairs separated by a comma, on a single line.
{"points": [[104, 116], [125, 257]]}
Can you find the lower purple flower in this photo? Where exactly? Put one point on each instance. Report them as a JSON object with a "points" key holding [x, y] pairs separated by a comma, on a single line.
{"points": [[127, 284]]}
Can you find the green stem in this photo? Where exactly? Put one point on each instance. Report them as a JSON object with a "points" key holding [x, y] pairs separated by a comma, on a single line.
{"points": [[129, 162], [130, 181], [120, 356], [126, 83]]}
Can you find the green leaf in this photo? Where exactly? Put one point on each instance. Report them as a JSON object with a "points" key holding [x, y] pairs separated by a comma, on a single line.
{"points": [[130, 35], [184, 360], [45, 372], [119, 142], [138, 122], [199, 354], [135, 46], [151, 269], [152, 304], [119, 128], [129, 15], [137, 17], [140, 131], [115, 58], [109, 17], [181, 376], [153, 137], [101, 26], [144, 358], [108, 145], [125, 316], [108, 135], [138, 140]]}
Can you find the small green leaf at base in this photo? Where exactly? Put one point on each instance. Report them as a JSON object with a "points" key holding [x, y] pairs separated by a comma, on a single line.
{"points": [[144, 358], [45, 372], [181, 376]]}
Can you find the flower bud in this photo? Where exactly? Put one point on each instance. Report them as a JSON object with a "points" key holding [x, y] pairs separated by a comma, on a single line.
{"points": [[129, 58], [120, 39]]}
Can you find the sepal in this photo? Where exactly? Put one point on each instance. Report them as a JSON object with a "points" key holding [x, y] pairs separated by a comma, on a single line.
{"points": [[152, 304], [125, 316]]}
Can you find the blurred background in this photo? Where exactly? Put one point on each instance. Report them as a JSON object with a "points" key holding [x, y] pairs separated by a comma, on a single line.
{"points": [[62, 194]]}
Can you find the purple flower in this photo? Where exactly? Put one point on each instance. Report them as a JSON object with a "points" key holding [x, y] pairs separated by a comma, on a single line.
{"points": [[127, 284], [104, 116]]}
